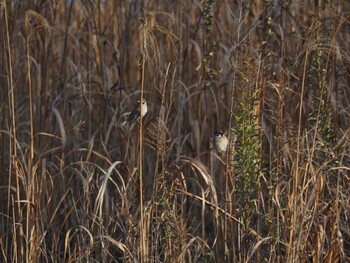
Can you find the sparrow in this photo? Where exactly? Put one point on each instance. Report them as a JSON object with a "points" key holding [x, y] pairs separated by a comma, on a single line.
{"points": [[135, 113], [220, 141]]}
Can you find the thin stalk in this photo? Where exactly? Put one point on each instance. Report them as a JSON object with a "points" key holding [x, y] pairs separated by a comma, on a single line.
{"points": [[30, 181], [13, 143], [296, 178], [142, 234]]}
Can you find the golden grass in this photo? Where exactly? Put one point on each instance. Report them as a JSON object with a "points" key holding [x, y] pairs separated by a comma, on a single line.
{"points": [[75, 186]]}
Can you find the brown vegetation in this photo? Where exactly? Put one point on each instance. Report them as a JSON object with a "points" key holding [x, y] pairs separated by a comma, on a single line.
{"points": [[76, 186]]}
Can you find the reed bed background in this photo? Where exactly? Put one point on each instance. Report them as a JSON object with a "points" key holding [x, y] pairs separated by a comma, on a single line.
{"points": [[77, 187]]}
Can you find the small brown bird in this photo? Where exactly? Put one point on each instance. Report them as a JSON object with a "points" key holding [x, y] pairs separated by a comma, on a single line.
{"points": [[135, 113], [220, 141]]}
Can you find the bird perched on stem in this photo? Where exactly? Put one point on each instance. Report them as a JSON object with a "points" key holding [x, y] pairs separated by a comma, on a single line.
{"points": [[220, 141], [140, 110]]}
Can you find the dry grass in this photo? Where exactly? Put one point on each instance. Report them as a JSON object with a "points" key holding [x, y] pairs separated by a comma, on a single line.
{"points": [[75, 186]]}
